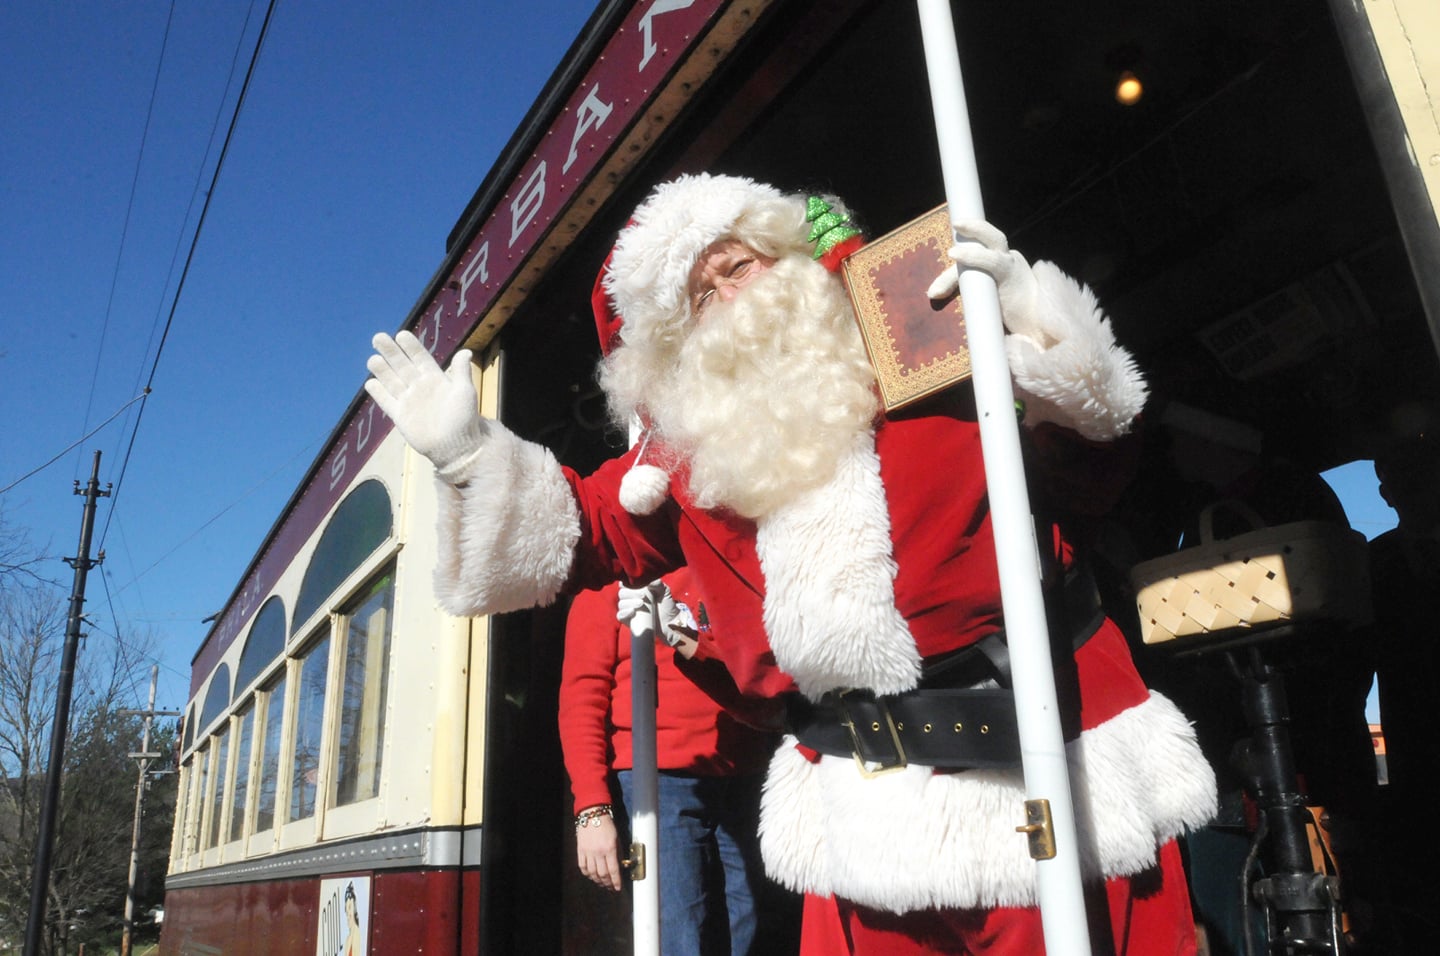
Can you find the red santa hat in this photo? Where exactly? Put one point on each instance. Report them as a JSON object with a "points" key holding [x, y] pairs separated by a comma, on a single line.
{"points": [[645, 486], [644, 284], [649, 269], [648, 272]]}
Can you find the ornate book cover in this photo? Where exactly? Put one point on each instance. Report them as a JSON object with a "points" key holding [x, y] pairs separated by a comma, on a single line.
{"points": [[916, 346]]}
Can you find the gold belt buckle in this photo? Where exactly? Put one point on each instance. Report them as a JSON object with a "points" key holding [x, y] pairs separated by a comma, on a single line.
{"points": [[857, 748]]}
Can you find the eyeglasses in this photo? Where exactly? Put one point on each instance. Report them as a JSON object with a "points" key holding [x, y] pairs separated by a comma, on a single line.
{"points": [[741, 270]]}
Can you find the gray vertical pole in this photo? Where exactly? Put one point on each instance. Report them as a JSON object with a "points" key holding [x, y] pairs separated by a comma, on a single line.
{"points": [[143, 758], [40, 875], [644, 815]]}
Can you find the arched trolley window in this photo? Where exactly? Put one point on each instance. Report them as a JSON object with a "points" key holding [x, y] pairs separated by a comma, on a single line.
{"points": [[361, 524], [265, 643]]}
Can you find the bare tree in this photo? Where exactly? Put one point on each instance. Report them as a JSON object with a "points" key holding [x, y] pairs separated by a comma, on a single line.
{"points": [[32, 627], [90, 858], [19, 563]]}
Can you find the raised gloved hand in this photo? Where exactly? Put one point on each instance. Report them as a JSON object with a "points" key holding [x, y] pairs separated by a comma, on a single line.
{"points": [[1064, 361], [1021, 307], [640, 609], [436, 411]]}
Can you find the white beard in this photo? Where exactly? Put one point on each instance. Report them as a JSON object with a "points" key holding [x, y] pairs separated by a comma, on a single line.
{"points": [[768, 393]]}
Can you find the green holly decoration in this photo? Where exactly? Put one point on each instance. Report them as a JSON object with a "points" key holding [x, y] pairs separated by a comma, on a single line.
{"points": [[828, 228]]}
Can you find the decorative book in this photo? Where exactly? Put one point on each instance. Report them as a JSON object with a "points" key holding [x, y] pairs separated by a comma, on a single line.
{"points": [[917, 346]]}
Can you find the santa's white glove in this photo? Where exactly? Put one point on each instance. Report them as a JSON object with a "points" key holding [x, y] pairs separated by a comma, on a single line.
{"points": [[636, 606], [1064, 361], [435, 410], [1020, 301]]}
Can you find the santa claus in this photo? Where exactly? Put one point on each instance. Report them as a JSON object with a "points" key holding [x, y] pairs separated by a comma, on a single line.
{"points": [[848, 567]]}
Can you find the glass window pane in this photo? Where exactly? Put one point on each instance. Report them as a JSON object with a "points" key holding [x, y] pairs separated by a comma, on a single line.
{"points": [[221, 747], [202, 761], [217, 698], [270, 756], [265, 643], [179, 845], [309, 714], [363, 686], [360, 525], [242, 773], [191, 719]]}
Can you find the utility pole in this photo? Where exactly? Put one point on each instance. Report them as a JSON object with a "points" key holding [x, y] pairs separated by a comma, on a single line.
{"points": [[144, 759], [49, 809]]}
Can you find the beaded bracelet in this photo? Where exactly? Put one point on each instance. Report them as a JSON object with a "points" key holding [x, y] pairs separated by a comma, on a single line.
{"points": [[590, 816]]}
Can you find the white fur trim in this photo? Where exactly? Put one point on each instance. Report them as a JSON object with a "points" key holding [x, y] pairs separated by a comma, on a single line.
{"points": [[650, 267], [916, 839], [1084, 380], [830, 584], [644, 489], [507, 538]]}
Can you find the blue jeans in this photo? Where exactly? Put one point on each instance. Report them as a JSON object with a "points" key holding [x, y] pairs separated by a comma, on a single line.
{"points": [[710, 869]]}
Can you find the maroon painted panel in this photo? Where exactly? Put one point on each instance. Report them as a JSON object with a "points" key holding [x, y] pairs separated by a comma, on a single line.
{"points": [[242, 919], [652, 40], [416, 913], [409, 911], [470, 886]]}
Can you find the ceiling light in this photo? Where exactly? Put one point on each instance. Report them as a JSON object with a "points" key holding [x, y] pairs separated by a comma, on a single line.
{"points": [[1128, 89]]}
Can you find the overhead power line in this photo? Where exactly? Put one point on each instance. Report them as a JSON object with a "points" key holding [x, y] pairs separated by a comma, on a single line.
{"points": [[189, 258], [61, 454], [129, 211]]}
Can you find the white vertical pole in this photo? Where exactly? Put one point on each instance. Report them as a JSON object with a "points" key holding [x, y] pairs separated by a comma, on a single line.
{"points": [[644, 822], [1042, 743]]}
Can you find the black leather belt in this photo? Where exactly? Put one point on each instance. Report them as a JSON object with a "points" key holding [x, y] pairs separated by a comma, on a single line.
{"points": [[951, 728], [947, 722]]}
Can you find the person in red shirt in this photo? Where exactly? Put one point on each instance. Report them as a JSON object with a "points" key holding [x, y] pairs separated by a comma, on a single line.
{"points": [[711, 768]]}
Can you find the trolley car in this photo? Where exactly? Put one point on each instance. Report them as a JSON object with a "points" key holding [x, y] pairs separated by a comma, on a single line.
{"points": [[361, 770]]}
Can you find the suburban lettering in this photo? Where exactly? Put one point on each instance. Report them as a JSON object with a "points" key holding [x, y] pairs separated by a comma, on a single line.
{"points": [[591, 115], [527, 204], [428, 332], [477, 268], [338, 464], [647, 27], [363, 427]]}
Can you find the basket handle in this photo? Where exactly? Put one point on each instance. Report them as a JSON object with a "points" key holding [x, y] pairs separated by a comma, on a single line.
{"points": [[1207, 516]]}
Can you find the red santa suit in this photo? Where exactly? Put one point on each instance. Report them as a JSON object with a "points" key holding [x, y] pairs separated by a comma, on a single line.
{"points": [[857, 584]]}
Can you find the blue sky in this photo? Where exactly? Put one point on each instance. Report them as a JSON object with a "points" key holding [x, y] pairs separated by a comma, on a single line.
{"points": [[367, 128]]}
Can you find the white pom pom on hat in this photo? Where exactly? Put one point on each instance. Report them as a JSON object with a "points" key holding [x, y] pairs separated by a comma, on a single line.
{"points": [[644, 489]]}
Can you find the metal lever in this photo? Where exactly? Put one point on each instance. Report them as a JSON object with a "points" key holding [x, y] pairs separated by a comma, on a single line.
{"points": [[636, 862], [1040, 830]]}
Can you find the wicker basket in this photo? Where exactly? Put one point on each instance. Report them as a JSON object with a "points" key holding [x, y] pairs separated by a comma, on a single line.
{"points": [[1299, 572]]}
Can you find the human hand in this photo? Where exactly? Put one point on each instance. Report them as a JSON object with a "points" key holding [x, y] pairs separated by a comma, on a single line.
{"points": [[988, 251], [672, 621], [597, 847], [435, 411]]}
